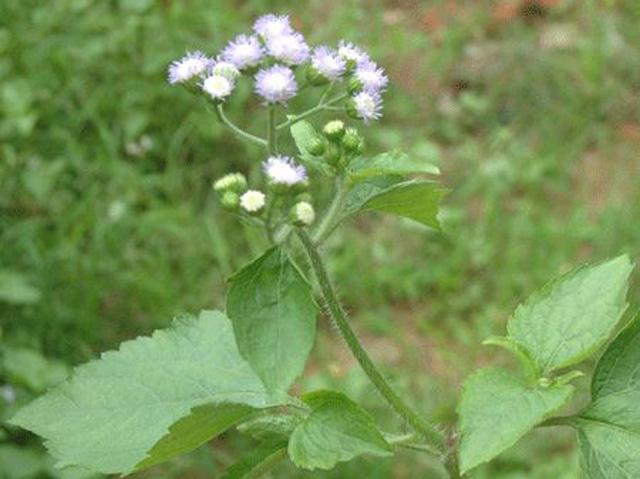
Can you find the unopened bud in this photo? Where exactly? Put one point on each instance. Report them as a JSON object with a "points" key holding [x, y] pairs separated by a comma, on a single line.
{"points": [[333, 154], [253, 201], [351, 140], [334, 130], [354, 86], [230, 200], [303, 214], [316, 78], [232, 182], [316, 147]]}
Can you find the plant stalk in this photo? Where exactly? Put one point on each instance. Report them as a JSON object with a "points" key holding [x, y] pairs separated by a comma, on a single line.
{"points": [[272, 136], [328, 221], [336, 311], [311, 111], [241, 133]]}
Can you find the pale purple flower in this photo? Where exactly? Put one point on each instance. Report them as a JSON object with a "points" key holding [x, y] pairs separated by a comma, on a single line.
{"points": [[276, 84], [226, 69], [218, 87], [328, 63], [368, 104], [352, 53], [243, 51], [371, 76], [288, 48], [270, 26], [189, 66], [282, 170]]}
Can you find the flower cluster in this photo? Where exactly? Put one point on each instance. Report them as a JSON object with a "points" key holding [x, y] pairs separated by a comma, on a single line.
{"points": [[279, 61]]}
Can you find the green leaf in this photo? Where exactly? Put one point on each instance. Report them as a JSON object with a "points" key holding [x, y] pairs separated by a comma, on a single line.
{"points": [[16, 289], [20, 462], [609, 428], [271, 427], [115, 414], [32, 370], [257, 462], [416, 200], [273, 313], [390, 163], [498, 408], [303, 134], [572, 316], [337, 430]]}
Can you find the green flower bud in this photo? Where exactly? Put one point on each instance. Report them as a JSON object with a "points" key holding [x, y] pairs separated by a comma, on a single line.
{"points": [[354, 86], [351, 140], [333, 154], [301, 187], [316, 146], [230, 200], [235, 182], [302, 214], [304, 197], [352, 111], [334, 130], [361, 147], [315, 78]]}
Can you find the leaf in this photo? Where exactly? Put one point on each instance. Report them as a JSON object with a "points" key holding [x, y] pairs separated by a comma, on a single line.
{"points": [[498, 408], [20, 462], [274, 318], [271, 427], [32, 370], [609, 428], [114, 415], [16, 289], [390, 163], [572, 316], [303, 134], [257, 462], [337, 430], [417, 200]]}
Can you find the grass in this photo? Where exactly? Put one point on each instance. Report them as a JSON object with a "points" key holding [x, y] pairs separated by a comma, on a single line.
{"points": [[107, 218]]}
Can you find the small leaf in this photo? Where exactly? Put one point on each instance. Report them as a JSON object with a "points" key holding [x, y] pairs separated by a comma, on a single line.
{"points": [[572, 316], [117, 412], [274, 318], [271, 427], [303, 134], [609, 428], [257, 462], [416, 200], [498, 408], [337, 430], [390, 163]]}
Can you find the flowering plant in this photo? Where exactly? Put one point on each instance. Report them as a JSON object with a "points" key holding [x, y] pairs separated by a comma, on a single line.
{"points": [[164, 395]]}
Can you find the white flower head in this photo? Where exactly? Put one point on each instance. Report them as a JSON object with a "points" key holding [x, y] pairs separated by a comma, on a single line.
{"points": [[328, 63], [282, 170], [190, 66], [371, 76], [276, 84], [289, 48], [253, 201], [304, 214], [271, 26], [217, 87], [352, 53], [225, 69], [368, 105], [243, 51]]}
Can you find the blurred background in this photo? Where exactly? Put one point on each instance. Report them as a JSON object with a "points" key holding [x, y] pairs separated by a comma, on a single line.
{"points": [[109, 228]]}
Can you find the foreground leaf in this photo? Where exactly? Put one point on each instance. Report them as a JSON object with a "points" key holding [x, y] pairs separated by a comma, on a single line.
{"points": [[258, 461], [114, 415], [337, 430], [390, 163], [572, 316], [498, 408], [274, 318], [416, 200], [609, 428]]}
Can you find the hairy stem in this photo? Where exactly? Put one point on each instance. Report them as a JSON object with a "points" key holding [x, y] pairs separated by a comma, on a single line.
{"points": [[241, 133], [328, 221], [272, 136], [429, 432], [311, 111]]}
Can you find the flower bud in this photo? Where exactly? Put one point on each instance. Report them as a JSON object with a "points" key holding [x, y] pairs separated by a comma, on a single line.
{"points": [[304, 197], [230, 200], [352, 111], [354, 86], [334, 130], [333, 154], [361, 147], [253, 201], [351, 140], [303, 214], [316, 147], [315, 78], [235, 182]]}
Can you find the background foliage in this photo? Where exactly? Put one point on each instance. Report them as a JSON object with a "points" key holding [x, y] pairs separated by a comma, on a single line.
{"points": [[108, 226]]}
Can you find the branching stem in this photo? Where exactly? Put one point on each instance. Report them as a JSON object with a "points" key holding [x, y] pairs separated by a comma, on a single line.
{"points": [[328, 221], [238, 131], [312, 111]]}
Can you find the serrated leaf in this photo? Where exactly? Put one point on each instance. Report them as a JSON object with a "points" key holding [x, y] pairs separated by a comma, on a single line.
{"points": [[390, 163], [498, 408], [416, 200], [274, 314], [271, 427], [609, 428], [337, 430], [303, 134], [113, 411], [572, 316], [258, 461]]}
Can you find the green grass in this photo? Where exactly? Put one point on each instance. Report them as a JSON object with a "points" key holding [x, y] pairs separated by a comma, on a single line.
{"points": [[538, 144]]}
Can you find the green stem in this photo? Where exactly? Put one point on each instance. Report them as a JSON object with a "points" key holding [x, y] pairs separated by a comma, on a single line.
{"points": [[272, 137], [310, 112], [241, 133], [327, 224], [430, 433]]}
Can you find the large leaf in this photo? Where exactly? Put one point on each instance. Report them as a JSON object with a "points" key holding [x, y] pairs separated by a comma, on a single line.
{"points": [[258, 461], [417, 200], [571, 317], [390, 163], [115, 415], [498, 408], [609, 428], [274, 318], [303, 134], [336, 430]]}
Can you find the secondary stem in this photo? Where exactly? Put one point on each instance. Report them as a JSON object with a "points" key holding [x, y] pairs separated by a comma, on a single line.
{"points": [[430, 433], [310, 112], [272, 136], [327, 224], [241, 133]]}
